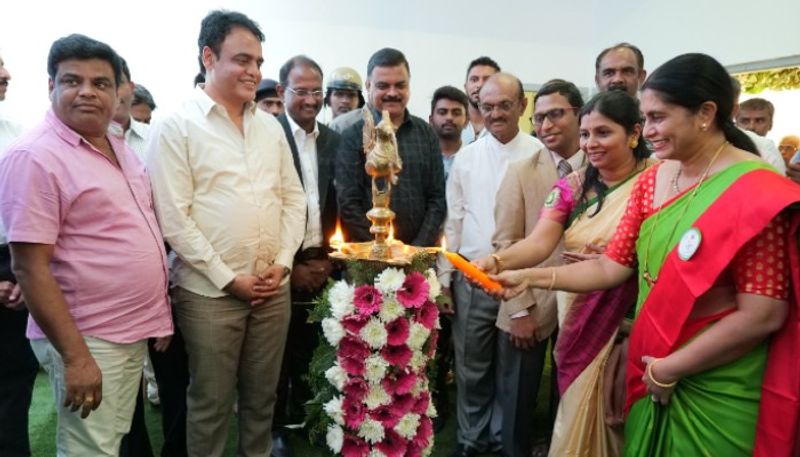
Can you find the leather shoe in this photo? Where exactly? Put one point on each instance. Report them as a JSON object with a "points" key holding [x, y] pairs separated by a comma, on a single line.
{"points": [[464, 450], [280, 445]]}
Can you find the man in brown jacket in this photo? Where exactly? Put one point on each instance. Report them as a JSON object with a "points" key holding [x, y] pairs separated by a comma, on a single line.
{"points": [[529, 320]]}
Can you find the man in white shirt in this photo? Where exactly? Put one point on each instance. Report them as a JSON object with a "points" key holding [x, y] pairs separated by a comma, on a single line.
{"points": [[313, 148], [766, 147], [231, 206], [471, 188], [478, 71], [527, 322], [125, 126]]}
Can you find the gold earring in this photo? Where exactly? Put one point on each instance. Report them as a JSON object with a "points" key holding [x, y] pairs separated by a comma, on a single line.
{"points": [[634, 143], [703, 127]]}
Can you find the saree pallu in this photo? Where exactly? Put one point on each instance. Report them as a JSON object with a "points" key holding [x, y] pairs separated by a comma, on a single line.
{"points": [[588, 326], [748, 406]]}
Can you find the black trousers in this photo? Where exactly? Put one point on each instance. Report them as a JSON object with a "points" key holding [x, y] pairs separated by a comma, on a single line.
{"points": [[172, 375], [293, 390], [18, 368]]}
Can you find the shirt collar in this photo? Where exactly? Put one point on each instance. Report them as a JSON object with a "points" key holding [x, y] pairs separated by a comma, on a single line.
{"points": [[138, 128], [72, 137], [294, 128], [378, 115], [509, 145], [206, 103]]}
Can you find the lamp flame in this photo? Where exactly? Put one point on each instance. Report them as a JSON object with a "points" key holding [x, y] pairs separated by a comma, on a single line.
{"points": [[444, 243], [337, 240]]}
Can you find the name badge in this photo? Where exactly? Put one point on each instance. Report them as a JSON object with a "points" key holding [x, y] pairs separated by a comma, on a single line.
{"points": [[690, 243]]}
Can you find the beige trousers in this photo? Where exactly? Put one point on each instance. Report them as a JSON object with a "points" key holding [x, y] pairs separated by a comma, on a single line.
{"points": [[101, 432], [233, 348]]}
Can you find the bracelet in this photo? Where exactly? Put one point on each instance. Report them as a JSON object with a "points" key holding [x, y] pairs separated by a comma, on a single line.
{"points": [[498, 263], [659, 384], [552, 279]]}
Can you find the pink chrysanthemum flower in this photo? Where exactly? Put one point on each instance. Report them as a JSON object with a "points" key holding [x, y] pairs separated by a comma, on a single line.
{"points": [[397, 331], [393, 445], [354, 446], [427, 315], [398, 356], [367, 300], [354, 412], [414, 291]]}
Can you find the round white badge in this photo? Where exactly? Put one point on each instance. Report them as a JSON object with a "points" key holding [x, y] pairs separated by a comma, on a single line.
{"points": [[690, 243]]}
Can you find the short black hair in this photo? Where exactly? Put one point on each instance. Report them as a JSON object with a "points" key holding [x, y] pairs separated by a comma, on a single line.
{"points": [[759, 104], [483, 61], [387, 57], [125, 70], [449, 93], [199, 78], [81, 47], [302, 60], [142, 95], [565, 88], [217, 25], [636, 51]]}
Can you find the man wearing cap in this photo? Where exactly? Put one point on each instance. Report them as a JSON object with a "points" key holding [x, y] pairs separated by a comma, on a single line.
{"points": [[343, 93], [267, 98]]}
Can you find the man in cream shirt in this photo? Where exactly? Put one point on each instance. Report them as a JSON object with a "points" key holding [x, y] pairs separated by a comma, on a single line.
{"points": [[474, 179], [231, 205]]}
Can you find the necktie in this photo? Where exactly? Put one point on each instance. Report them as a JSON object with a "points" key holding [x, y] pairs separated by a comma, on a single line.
{"points": [[564, 168]]}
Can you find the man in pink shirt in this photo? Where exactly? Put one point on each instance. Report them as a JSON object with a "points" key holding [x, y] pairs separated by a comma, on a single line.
{"points": [[86, 248]]}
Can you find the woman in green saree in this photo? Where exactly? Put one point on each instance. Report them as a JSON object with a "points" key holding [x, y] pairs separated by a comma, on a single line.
{"points": [[584, 208], [713, 356]]}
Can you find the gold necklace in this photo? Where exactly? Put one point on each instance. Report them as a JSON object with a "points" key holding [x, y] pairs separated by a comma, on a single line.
{"points": [[651, 280]]}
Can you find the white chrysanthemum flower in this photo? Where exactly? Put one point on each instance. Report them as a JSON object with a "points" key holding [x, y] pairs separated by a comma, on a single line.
{"points": [[332, 330], [334, 410], [376, 453], [376, 367], [431, 411], [428, 450], [390, 281], [420, 386], [435, 286], [418, 360], [377, 397], [390, 310], [374, 333], [417, 336], [341, 298], [335, 438], [336, 376], [407, 427], [371, 430]]}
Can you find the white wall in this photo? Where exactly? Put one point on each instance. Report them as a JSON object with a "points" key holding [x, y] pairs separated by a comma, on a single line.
{"points": [[535, 40]]}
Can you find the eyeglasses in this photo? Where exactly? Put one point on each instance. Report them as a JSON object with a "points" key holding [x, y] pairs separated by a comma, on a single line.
{"points": [[504, 107], [305, 92], [553, 115], [787, 147]]}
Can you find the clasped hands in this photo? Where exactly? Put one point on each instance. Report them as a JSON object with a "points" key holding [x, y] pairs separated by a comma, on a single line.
{"points": [[257, 289]]}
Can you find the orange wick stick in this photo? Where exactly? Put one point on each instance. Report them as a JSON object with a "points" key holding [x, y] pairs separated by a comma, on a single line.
{"points": [[472, 272]]}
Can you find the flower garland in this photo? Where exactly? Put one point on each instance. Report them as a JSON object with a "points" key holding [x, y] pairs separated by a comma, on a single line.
{"points": [[369, 373]]}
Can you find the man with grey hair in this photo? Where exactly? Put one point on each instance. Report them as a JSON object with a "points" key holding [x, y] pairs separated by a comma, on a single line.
{"points": [[474, 179], [143, 104]]}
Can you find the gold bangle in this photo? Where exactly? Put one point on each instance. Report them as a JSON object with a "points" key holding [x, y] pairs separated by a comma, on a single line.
{"points": [[552, 279], [653, 379], [498, 263]]}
